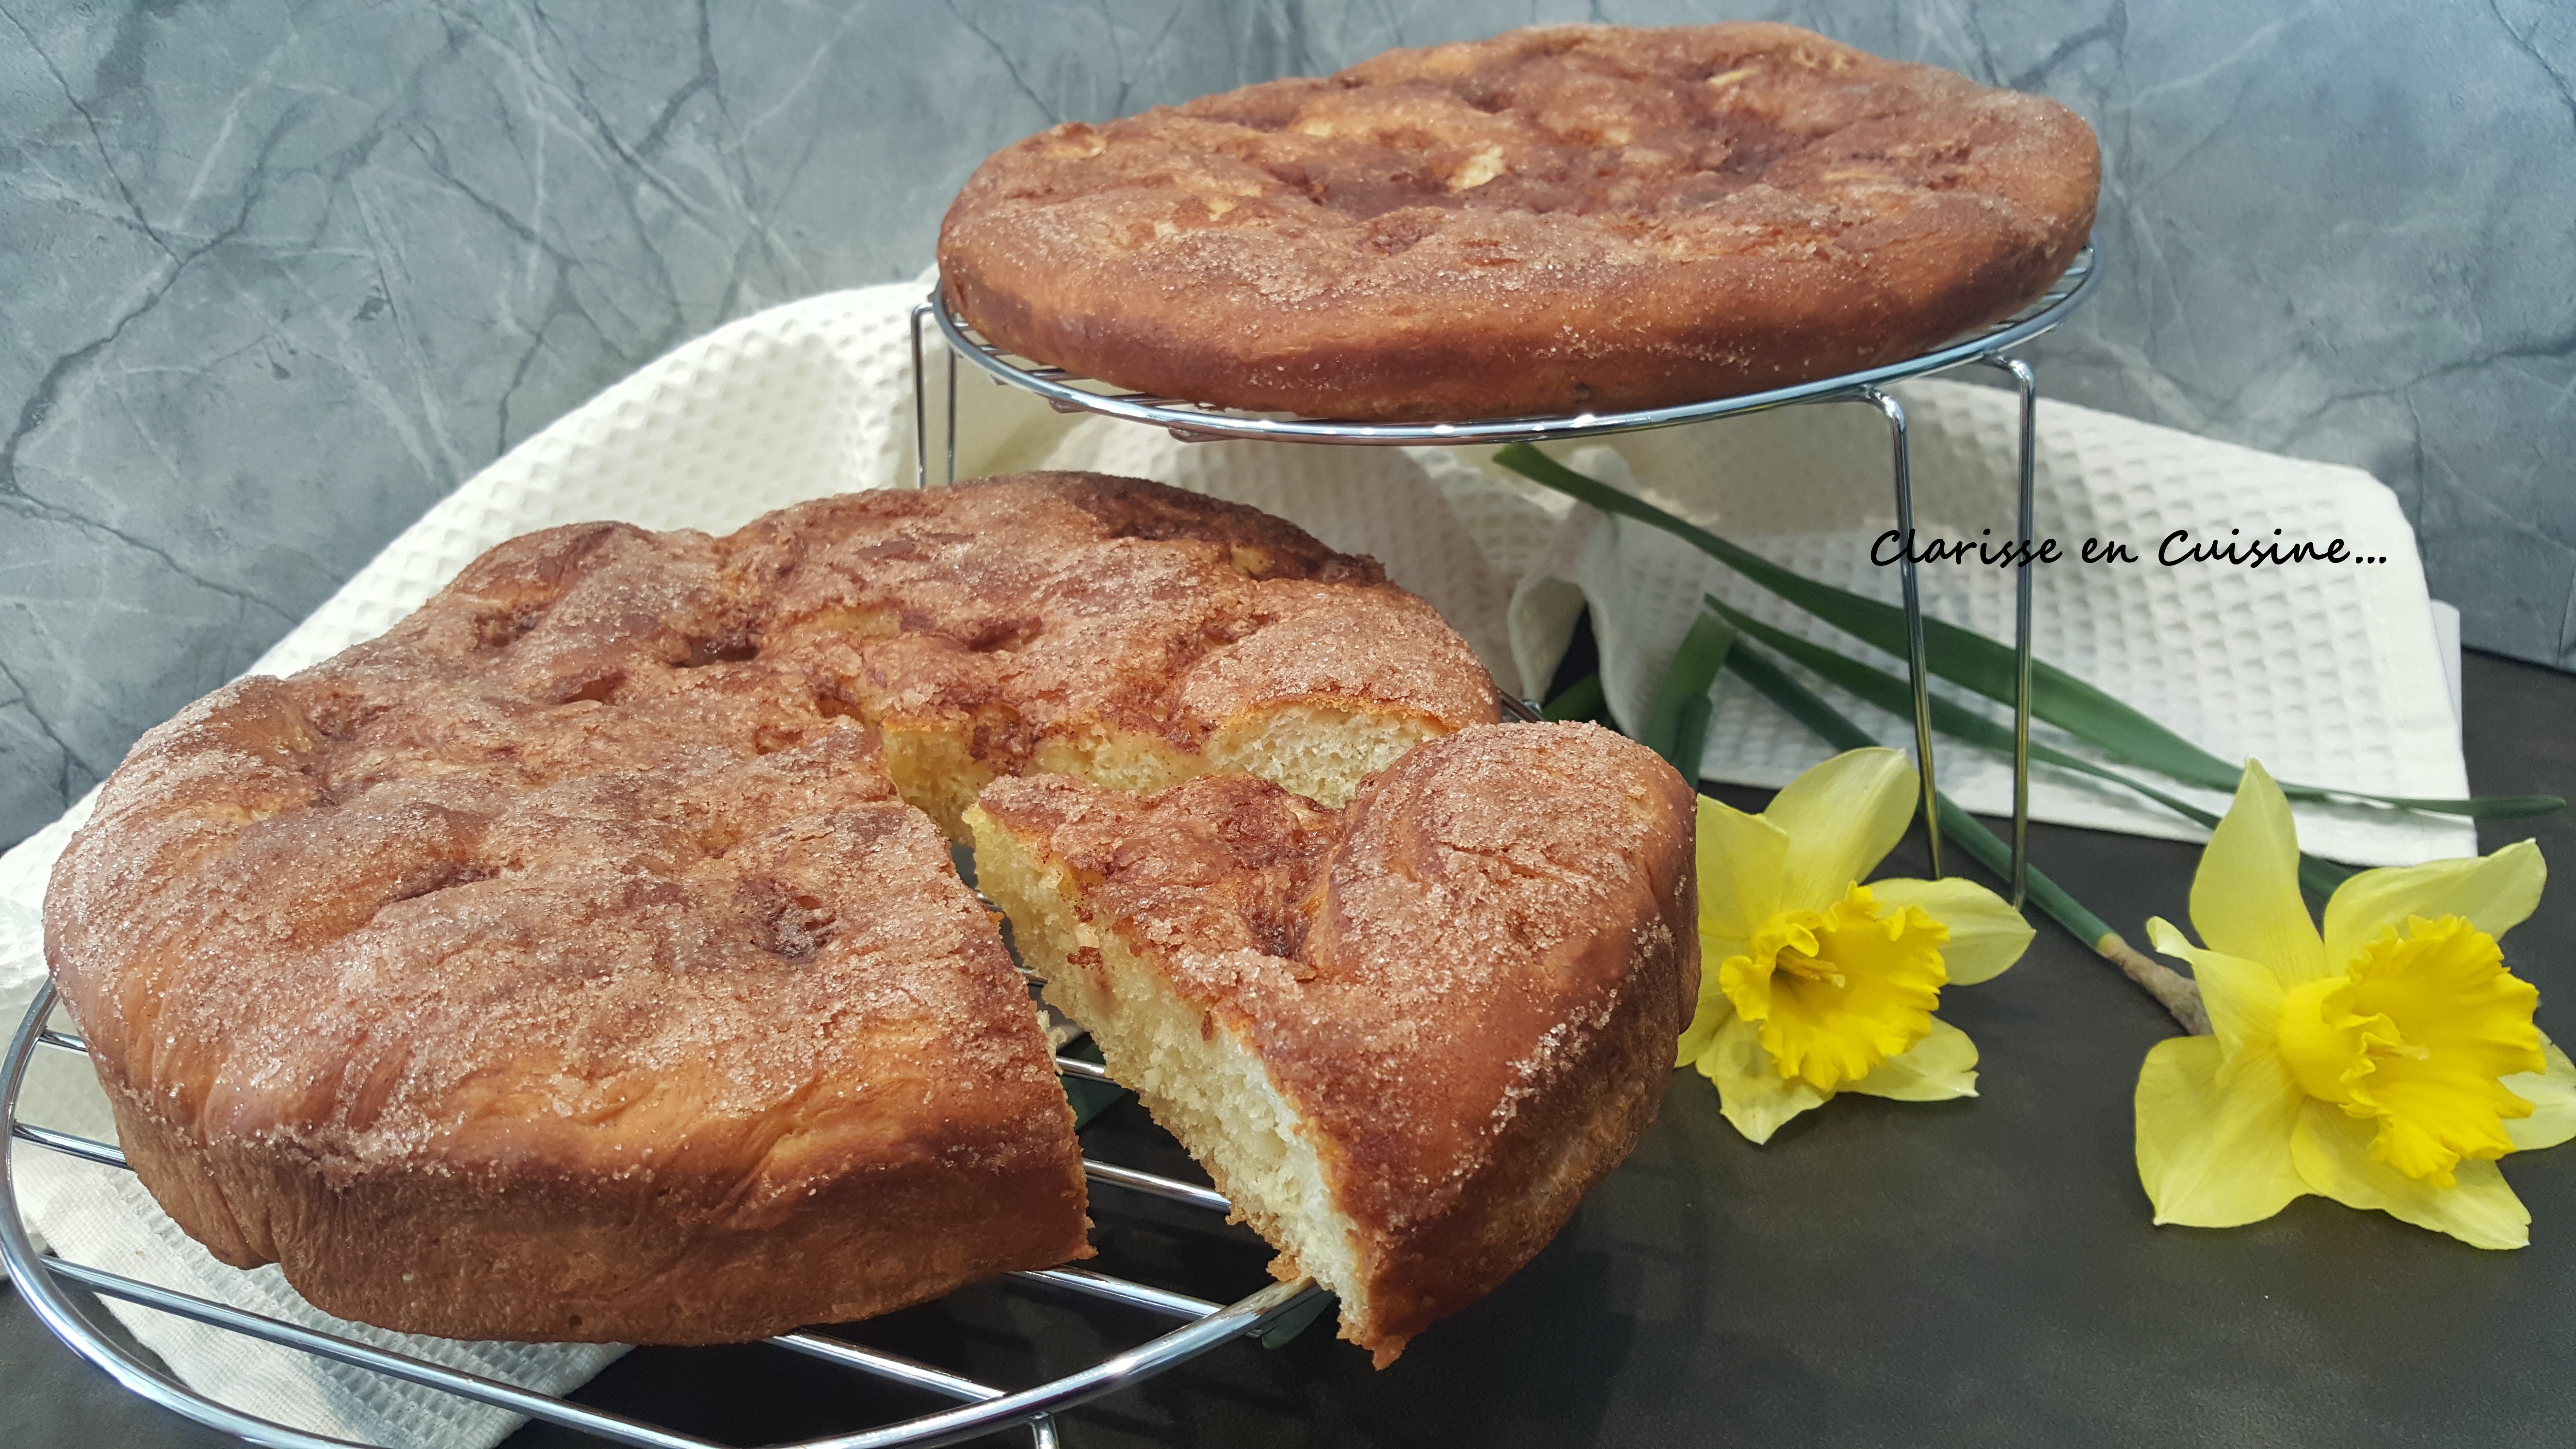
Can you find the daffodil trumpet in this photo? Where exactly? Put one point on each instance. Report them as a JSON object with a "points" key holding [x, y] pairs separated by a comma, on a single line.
{"points": [[1814, 983], [2386, 1061]]}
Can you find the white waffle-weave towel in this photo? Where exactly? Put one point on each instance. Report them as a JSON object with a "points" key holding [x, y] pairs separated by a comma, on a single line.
{"points": [[2329, 673]]}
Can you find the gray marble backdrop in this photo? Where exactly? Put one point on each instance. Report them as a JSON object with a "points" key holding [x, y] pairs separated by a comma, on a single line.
{"points": [[273, 278]]}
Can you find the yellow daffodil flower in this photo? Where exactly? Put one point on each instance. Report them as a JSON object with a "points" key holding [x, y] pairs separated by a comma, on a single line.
{"points": [[1812, 983], [2385, 1064]]}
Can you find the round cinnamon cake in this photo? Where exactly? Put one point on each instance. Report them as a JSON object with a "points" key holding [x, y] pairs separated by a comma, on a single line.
{"points": [[1576, 218], [583, 959]]}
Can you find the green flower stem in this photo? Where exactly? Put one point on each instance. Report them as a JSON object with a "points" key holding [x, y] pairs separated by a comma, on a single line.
{"points": [[1584, 699], [1090, 1098], [2175, 992], [1677, 723], [1975, 662], [1297, 1320], [1892, 694]]}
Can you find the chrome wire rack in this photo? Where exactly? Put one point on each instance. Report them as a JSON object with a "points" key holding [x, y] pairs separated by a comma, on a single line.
{"points": [[1199, 422], [982, 1408]]}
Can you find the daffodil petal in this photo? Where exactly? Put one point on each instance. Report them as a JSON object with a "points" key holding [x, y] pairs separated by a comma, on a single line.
{"points": [[1935, 1069], [2245, 897], [1742, 861], [2332, 1151], [2164, 936], [1986, 935], [2243, 997], [2495, 893], [2212, 1156], [1842, 818], [1750, 1091], [2244, 1003], [2552, 1095], [1714, 1011]]}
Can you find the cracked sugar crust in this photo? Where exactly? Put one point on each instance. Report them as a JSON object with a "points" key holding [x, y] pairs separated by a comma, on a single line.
{"points": [[1467, 982], [1554, 220], [587, 894]]}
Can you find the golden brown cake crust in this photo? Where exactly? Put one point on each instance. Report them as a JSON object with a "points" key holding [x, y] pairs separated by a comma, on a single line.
{"points": [[1468, 982], [1555, 220], [1059, 605], [563, 964]]}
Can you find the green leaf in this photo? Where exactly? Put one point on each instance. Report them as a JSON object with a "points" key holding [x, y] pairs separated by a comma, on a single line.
{"points": [[1685, 692], [1977, 663], [1089, 1098], [1294, 1322], [1956, 824], [1690, 741], [1583, 699], [1896, 696]]}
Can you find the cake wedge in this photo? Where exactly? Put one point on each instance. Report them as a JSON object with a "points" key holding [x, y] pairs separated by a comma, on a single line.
{"points": [[1404, 1037]]}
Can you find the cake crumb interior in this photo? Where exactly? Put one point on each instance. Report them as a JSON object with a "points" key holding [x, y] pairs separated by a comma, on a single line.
{"points": [[1193, 1073]]}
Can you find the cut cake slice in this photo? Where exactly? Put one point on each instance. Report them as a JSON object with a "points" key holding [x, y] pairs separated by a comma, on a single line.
{"points": [[1404, 1037]]}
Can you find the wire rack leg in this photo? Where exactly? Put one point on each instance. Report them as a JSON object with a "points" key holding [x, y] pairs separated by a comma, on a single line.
{"points": [[1914, 652], [921, 407], [952, 412], [921, 404], [2028, 384]]}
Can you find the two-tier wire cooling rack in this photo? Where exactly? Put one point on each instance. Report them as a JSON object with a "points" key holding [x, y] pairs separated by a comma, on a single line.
{"points": [[65, 1294], [1988, 346]]}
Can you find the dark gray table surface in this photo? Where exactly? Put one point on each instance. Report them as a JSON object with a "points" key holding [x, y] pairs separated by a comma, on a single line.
{"points": [[1978, 1272]]}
